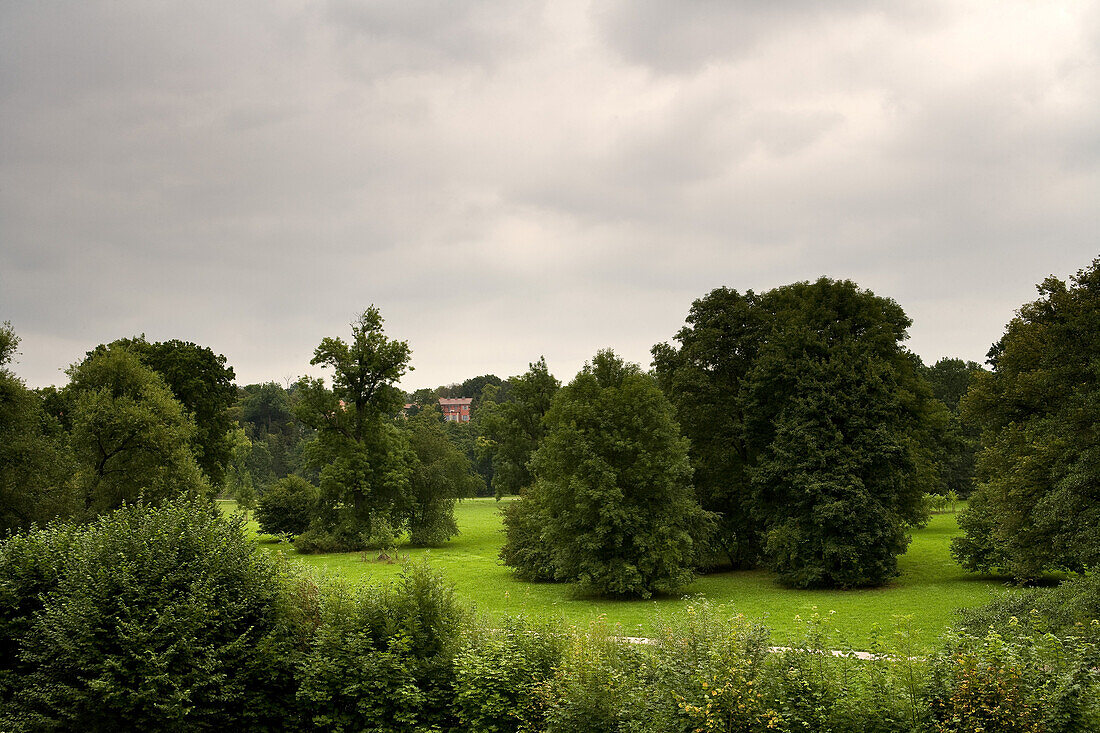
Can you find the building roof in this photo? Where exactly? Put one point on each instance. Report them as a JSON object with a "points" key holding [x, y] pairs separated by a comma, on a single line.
{"points": [[447, 401]]}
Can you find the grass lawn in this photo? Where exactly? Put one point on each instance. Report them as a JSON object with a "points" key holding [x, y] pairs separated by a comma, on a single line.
{"points": [[931, 586]]}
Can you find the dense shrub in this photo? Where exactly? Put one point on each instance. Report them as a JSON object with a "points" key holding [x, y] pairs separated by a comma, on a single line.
{"points": [[147, 618], [1055, 610], [287, 506], [1013, 680], [524, 550], [500, 673], [382, 658]]}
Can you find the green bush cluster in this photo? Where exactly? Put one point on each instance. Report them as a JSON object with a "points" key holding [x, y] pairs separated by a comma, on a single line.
{"points": [[709, 670], [169, 618]]}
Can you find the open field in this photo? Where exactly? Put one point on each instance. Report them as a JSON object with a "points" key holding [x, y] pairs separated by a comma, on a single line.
{"points": [[930, 587]]}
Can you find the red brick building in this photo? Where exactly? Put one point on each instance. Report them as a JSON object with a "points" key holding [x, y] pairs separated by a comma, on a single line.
{"points": [[455, 409]]}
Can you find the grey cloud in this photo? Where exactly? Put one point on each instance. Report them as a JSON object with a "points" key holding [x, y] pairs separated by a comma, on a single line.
{"points": [[671, 36]]}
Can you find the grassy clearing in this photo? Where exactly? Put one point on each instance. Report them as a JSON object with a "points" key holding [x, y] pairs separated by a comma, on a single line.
{"points": [[930, 588]]}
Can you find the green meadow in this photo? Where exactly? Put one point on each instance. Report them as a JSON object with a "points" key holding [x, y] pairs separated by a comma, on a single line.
{"points": [[923, 598]]}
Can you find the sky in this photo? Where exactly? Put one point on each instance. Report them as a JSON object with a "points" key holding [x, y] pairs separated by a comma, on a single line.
{"points": [[509, 179]]}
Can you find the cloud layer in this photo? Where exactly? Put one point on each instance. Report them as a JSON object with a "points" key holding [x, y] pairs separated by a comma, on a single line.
{"points": [[510, 179]]}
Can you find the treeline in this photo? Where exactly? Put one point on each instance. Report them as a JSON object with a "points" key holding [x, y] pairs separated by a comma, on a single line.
{"points": [[170, 618], [789, 429]]}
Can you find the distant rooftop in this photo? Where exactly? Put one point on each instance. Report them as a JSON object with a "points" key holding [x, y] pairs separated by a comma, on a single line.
{"points": [[445, 401]]}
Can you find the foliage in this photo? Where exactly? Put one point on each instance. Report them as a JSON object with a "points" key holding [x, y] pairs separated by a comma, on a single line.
{"points": [[287, 506], [202, 383], [1035, 506], [364, 460], [513, 428], [36, 464], [614, 485], [1073, 604], [810, 428], [524, 549], [382, 659], [950, 380], [144, 619], [706, 379], [501, 672], [440, 475], [130, 436], [1010, 679]]}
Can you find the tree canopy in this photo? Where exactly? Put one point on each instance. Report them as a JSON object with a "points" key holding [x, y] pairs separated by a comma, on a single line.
{"points": [[130, 436], [1036, 507], [363, 458], [807, 421], [512, 428], [203, 384], [36, 465], [613, 486]]}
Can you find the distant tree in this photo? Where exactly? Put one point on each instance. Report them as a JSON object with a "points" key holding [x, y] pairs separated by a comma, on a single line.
{"points": [[36, 464], [614, 483], [810, 428], [1035, 506], [266, 406], [512, 429], [950, 380], [288, 506], [203, 384], [131, 437], [362, 456], [440, 475], [238, 479]]}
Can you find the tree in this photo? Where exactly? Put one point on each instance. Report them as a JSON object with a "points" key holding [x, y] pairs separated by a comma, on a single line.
{"points": [[950, 380], [810, 427], [440, 475], [363, 458], [614, 484], [130, 436], [512, 429], [203, 384], [706, 380], [36, 464], [1035, 507]]}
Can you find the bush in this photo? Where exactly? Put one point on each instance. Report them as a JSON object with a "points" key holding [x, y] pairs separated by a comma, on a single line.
{"points": [[149, 618], [382, 659], [287, 506], [1013, 680], [500, 673], [1055, 610], [346, 537]]}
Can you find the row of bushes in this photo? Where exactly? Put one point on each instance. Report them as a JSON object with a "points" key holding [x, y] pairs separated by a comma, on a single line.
{"points": [[171, 619]]}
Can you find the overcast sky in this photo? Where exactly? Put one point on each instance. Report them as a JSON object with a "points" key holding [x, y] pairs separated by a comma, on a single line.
{"points": [[509, 179]]}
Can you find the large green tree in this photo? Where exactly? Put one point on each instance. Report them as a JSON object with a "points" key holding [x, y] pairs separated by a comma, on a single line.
{"points": [[511, 429], [362, 456], [203, 384], [809, 425], [36, 465], [613, 485], [1036, 506], [130, 435], [706, 379]]}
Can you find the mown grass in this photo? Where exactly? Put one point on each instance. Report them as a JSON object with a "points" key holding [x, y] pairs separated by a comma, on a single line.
{"points": [[931, 586]]}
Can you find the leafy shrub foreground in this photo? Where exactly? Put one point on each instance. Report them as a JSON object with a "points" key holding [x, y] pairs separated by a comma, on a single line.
{"points": [[169, 618]]}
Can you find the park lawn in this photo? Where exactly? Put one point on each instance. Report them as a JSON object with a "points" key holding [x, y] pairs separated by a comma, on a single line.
{"points": [[931, 586]]}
